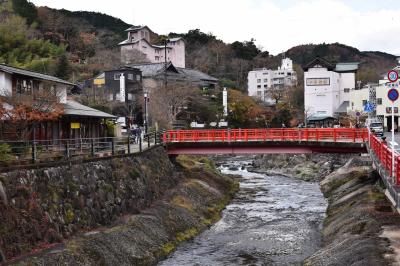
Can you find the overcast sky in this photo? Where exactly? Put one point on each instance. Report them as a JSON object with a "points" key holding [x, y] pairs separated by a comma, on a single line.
{"points": [[277, 25]]}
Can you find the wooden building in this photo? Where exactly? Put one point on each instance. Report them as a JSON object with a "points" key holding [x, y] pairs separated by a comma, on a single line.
{"points": [[73, 121]]}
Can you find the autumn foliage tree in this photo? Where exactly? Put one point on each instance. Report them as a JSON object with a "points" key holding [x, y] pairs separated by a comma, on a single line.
{"points": [[20, 114], [244, 111]]}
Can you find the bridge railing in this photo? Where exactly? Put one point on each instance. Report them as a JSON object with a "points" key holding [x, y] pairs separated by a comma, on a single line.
{"points": [[276, 134], [384, 154]]}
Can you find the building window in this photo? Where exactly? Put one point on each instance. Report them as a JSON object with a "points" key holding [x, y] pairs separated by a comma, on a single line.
{"points": [[138, 77], [130, 76], [265, 80], [364, 102], [258, 93], [144, 47], [157, 58], [258, 86], [142, 33], [346, 90], [265, 86], [258, 80], [379, 101], [117, 76]]}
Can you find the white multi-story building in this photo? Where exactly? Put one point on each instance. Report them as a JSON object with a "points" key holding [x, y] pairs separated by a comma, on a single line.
{"points": [[327, 87], [263, 83], [139, 43]]}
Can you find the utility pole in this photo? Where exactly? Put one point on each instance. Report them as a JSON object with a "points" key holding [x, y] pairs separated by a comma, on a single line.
{"points": [[146, 96], [165, 62]]}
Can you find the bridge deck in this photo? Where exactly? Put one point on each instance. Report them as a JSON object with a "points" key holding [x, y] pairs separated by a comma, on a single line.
{"points": [[262, 141]]}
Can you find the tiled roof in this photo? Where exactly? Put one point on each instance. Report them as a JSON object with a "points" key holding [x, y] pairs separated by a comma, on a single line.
{"points": [[154, 69], [37, 75], [175, 39], [150, 69], [196, 74], [75, 108], [135, 28]]}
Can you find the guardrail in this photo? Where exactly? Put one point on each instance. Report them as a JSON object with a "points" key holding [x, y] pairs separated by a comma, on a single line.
{"points": [[39, 151], [285, 134], [384, 154]]}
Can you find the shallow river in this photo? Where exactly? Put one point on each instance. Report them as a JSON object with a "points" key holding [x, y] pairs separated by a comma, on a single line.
{"points": [[272, 220]]}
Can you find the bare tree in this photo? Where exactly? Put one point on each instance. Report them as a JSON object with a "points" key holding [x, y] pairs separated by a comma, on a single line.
{"points": [[276, 93], [167, 102], [133, 57]]}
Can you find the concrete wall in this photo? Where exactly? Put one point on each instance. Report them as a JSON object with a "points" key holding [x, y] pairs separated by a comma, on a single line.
{"points": [[178, 53], [346, 81]]}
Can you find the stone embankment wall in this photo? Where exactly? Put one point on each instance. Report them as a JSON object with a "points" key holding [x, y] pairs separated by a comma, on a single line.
{"points": [[126, 211], [357, 217]]}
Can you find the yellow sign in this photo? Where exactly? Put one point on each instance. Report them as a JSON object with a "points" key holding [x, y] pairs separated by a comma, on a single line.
{"points": [[99, 82], [75, 125]]}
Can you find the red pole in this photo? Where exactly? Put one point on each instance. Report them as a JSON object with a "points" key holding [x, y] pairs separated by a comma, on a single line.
{"points": [[334, 135]]}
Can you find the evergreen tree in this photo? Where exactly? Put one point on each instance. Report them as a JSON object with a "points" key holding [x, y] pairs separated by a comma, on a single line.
{"points": [[63, 68], [25, 9]]}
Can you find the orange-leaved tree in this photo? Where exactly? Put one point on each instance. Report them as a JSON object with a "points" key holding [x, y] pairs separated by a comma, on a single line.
{"points": [[243, 110], [20, 114]]}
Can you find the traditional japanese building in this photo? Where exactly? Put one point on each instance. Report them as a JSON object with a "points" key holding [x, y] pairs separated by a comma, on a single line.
{"points": [[74, 120]]}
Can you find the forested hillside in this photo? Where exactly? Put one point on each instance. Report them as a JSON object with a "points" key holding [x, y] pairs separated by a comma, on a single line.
{"points": [[40, 38]]}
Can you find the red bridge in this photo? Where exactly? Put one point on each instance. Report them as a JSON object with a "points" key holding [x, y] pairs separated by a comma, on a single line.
{"points": [[262, 141]]}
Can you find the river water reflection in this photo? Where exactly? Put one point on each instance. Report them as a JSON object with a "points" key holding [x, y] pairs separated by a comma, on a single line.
{"points": [[272, 220]]}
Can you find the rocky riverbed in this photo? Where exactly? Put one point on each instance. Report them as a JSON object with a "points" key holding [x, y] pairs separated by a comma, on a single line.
{"points": [[272, 220], [308, 167]]}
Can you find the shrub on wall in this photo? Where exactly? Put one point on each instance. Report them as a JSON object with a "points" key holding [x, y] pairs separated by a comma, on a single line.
{"points": [[5, 152]]}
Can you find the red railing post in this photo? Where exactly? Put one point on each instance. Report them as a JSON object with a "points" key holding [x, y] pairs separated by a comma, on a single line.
{"points": [[334, 135], [397, 170]]}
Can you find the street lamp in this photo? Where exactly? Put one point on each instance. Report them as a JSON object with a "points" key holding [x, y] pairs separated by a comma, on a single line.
{"points": [[145, 122]]}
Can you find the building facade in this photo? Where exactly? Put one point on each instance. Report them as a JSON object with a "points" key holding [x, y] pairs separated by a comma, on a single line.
{"points": [[119, 85], [327, 87], [75, 120], [383, 110], [263, 83], [139, 42]]}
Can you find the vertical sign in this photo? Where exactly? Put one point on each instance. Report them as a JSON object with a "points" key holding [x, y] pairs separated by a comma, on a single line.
{"points": [[393, 95], [225, 101], [122, 88]]}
